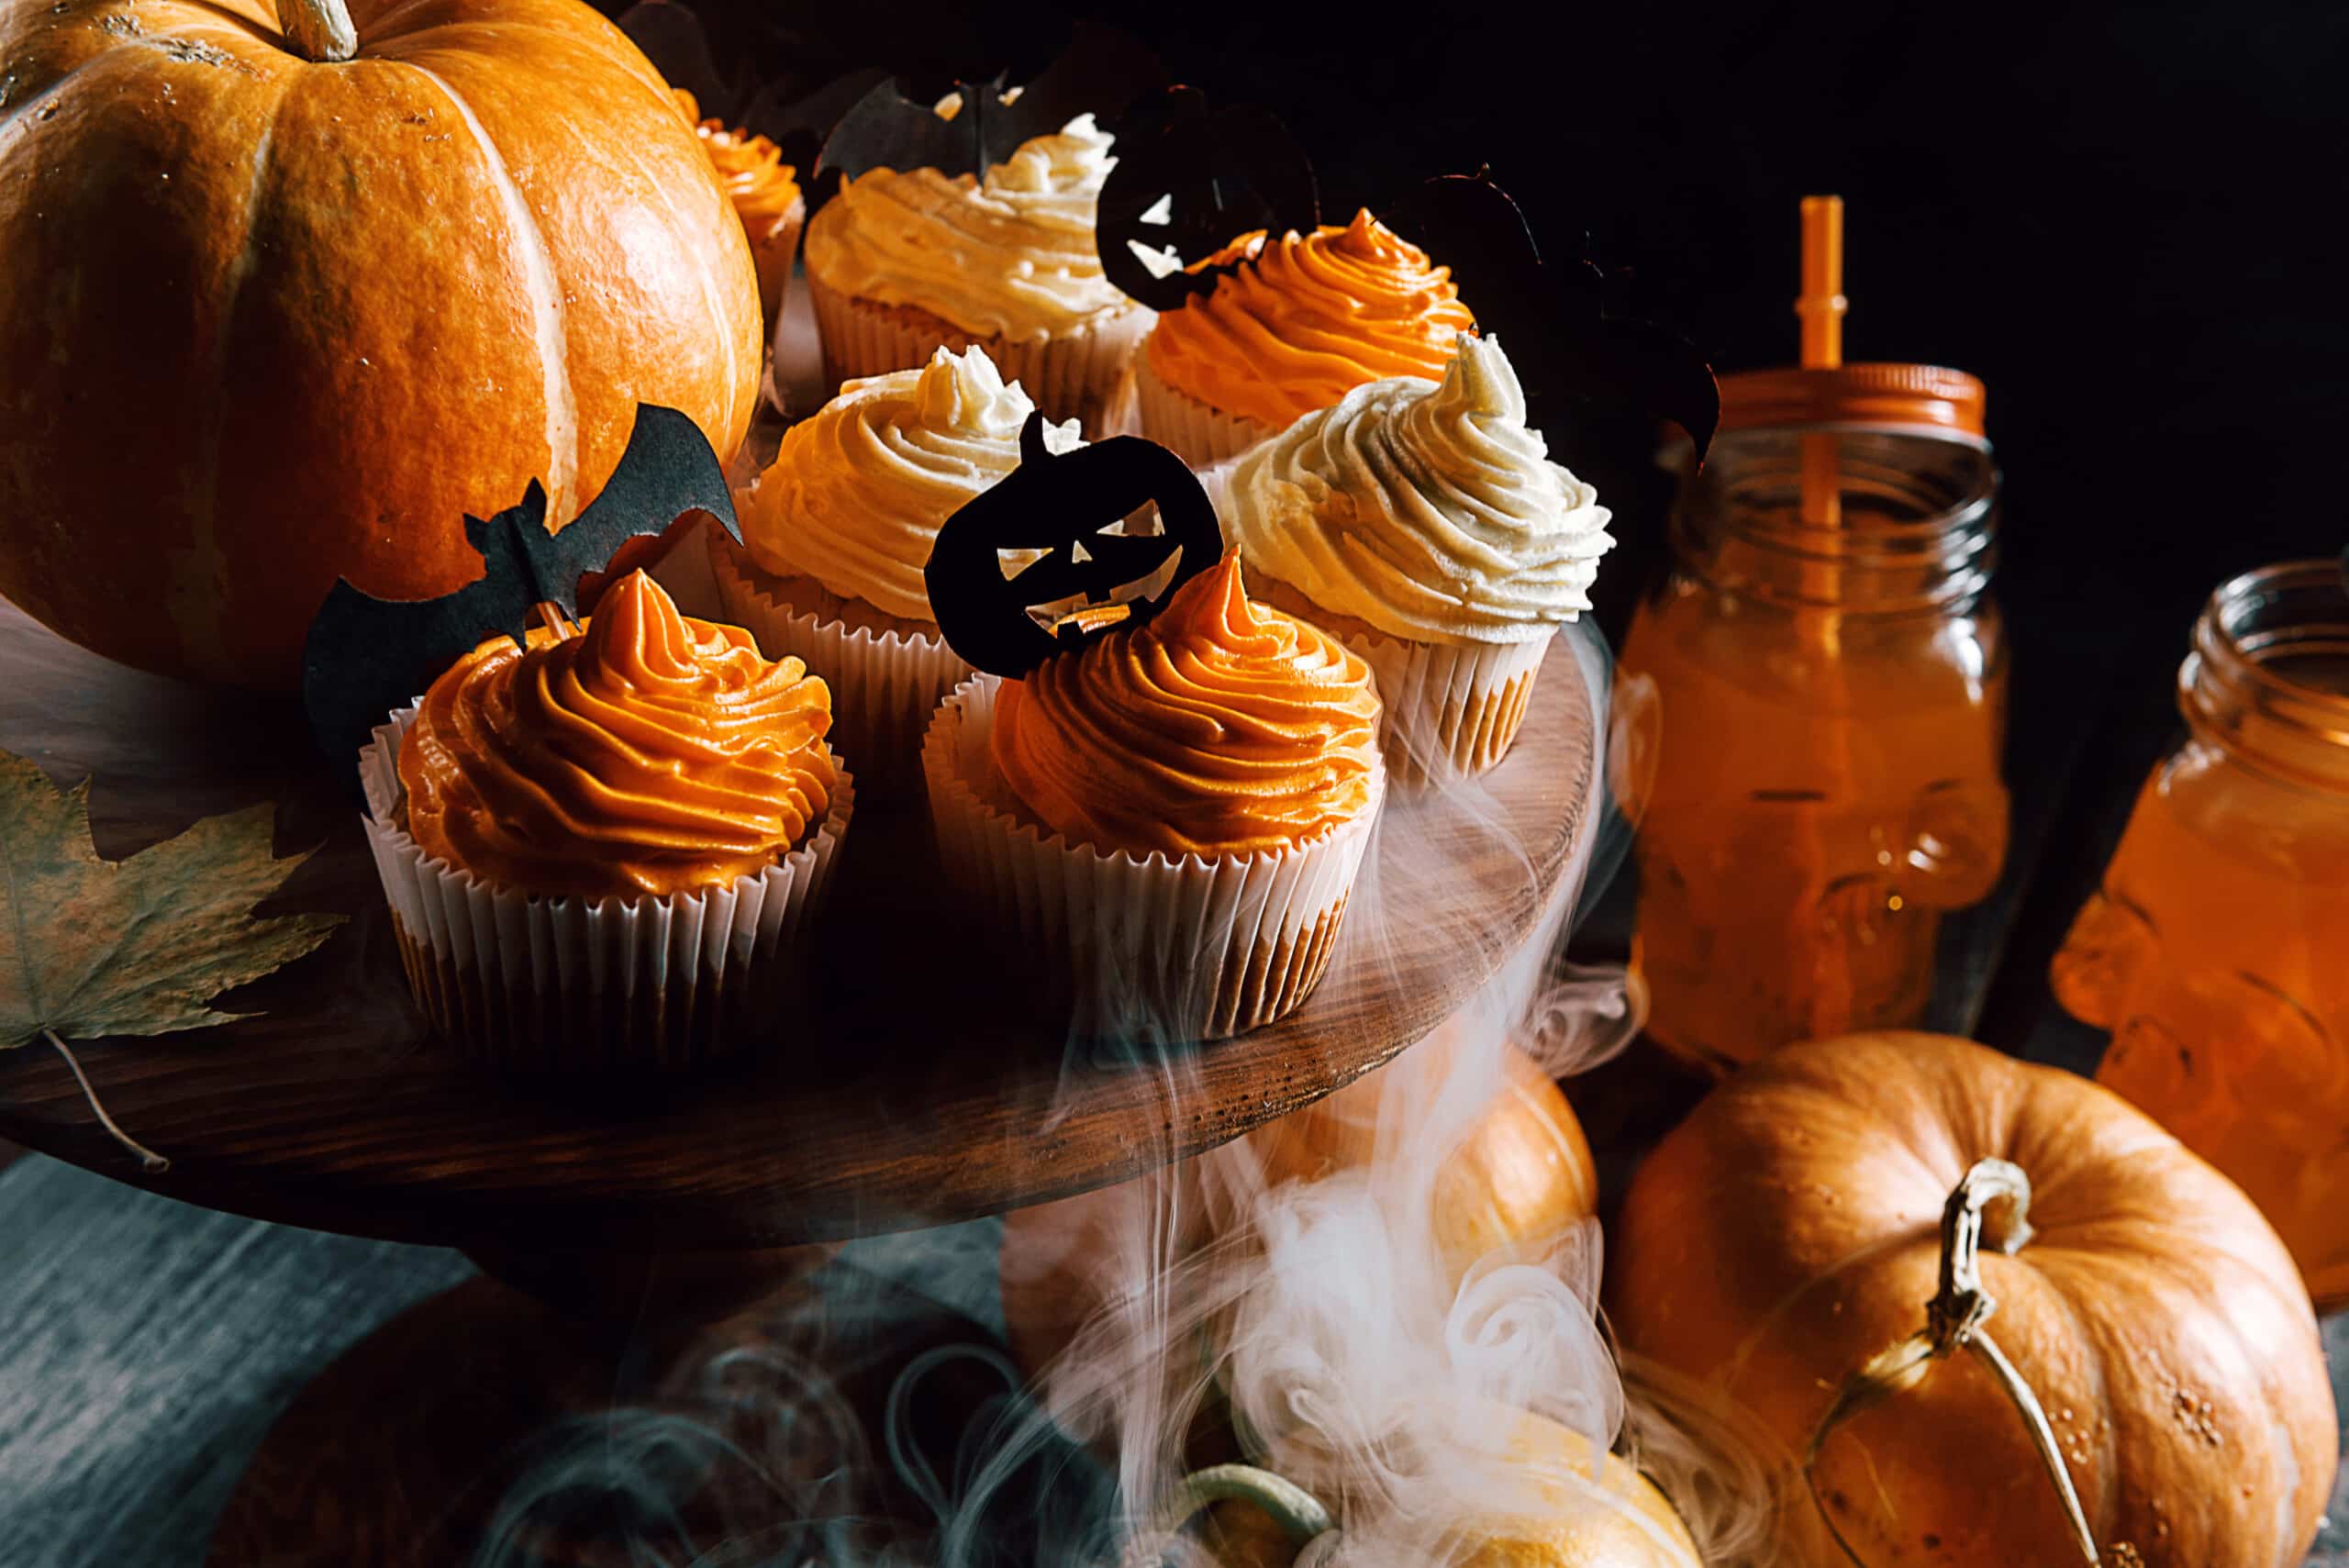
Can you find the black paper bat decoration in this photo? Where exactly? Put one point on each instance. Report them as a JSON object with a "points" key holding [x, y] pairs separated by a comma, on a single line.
{"points": [[1219, 172], [1090, 574], [671, 38], [366, 656], [1102, 69], [1554, 319]]}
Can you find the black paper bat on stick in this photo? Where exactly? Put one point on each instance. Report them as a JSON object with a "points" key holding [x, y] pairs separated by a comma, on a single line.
{"points": [[1554, 320], [366, 656], [1102, 69]]}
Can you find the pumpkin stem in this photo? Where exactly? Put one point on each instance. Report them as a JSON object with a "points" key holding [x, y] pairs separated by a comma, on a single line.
{"points": [[1954, 1320], [1301, 1515], [319, 30]]}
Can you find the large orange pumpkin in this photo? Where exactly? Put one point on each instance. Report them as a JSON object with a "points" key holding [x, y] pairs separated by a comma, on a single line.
{"points": [[1519, 1180], [268, 319], [1789, 1234]]}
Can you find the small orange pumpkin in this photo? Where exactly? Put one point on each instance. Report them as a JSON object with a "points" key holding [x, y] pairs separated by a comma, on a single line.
{"points": [[1520, 1180], [280, 303], [1782, 1245], [1572, 1518]]}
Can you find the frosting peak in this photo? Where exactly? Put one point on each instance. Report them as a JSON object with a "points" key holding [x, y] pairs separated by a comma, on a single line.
{"points": [[1308, 318], [1070, 165], [1010, 254], [859, 490], [966, 392], [652, 753], [1428, 510], [1219, 727]]}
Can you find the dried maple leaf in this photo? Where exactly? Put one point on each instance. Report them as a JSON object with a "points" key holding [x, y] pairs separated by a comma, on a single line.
{"points": [[92, 948]]}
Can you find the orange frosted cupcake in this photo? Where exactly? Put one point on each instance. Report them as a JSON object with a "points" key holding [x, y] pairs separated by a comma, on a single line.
{"points": [[766, 195], [1304, 320], [1176, 811], [601, 851]]}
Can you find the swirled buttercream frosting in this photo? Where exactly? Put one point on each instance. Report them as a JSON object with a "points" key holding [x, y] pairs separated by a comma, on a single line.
{"points": [[1219, 727], [1428, 510], [1009, 254], [1306, 318], [649, 753], [749, 168], [858, 491]]}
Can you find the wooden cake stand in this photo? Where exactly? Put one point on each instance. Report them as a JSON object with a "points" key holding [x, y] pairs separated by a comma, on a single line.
{"points": [[921, 1085]]}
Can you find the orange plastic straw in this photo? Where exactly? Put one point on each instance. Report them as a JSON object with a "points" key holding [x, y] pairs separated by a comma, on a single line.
{"points": [[1821, 308]]}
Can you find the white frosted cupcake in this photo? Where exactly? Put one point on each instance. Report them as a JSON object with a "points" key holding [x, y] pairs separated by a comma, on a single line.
{"points": [[838, 528], [901, 262], [1172, 816], [1424, 524]]}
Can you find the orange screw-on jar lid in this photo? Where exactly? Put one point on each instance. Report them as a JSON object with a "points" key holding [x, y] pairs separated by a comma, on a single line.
{"points": [[1877, 396]]}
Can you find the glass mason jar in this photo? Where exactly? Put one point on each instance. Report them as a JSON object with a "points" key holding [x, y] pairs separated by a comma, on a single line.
{"points": [[1815, 704], [2217, 951]]}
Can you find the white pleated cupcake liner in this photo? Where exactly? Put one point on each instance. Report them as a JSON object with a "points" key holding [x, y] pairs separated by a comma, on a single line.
{"points": [[773, 254], [582, 986], [777, 256], [1077, 375], [1154, 950], [1192, 430], [884, 684], [1451, 712]]}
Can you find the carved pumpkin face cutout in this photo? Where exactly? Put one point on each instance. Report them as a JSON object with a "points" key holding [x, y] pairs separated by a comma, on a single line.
{"points": [[1189, 178], [1053, 554]]}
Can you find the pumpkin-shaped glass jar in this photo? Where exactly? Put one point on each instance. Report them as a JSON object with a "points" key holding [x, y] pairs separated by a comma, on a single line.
{"points": [[2217, 949], [1815, 699]]}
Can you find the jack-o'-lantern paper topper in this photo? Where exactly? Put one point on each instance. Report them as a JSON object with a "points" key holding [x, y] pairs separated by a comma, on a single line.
{"points": [[1190, 180], [1101, 71], [1561, 336], [1047, 556], [366, 656]]}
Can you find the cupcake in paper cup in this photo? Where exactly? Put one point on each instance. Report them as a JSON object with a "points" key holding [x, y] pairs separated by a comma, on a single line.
{"points": [[1174, 812], [607, 852], [1294, 325], [837, 531], [766, 197], [901, 262], [1424, 524]]}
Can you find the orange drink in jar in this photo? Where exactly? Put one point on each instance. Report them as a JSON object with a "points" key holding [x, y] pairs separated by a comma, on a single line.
{"points": [[1816, 711], [2217, 950]]}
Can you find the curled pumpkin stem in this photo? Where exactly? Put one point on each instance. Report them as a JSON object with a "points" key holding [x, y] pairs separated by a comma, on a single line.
{"points": [[1301, 1515], [1954, 1320]]}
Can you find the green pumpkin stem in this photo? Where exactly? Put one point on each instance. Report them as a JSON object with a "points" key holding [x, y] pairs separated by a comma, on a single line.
{"points": [[1301, 1515]]}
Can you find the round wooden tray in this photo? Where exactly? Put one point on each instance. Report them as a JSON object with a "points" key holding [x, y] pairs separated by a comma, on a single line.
{"points": [[918, 1091]]}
